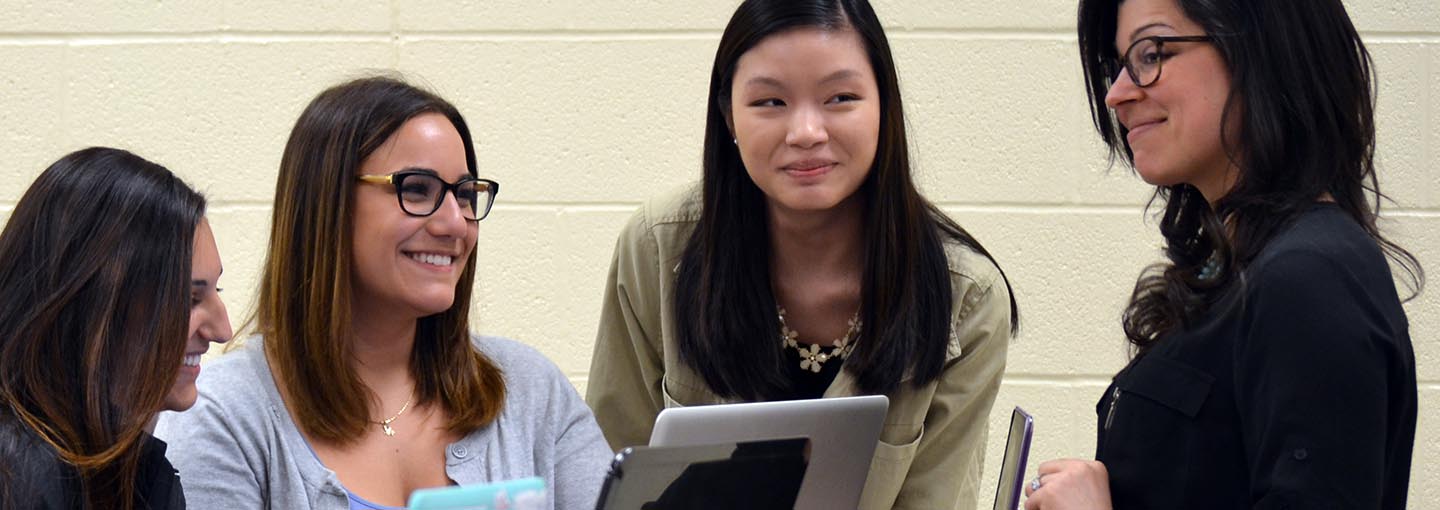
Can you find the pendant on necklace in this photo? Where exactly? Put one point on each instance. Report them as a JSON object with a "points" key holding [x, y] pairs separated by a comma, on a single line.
{"points": [[385, 424]]}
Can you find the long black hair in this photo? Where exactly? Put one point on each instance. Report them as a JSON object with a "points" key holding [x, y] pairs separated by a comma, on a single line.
{"points": [[729, 332], [94, 307], [1302, 96]]}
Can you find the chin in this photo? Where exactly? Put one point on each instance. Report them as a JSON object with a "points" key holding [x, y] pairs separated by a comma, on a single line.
{"points": [[809, 202], [433, 307], [427, 300], [178, 403], [1153, 176]]}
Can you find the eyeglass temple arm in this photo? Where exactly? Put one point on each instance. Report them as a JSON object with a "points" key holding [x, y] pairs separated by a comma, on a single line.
{"points": [[378, 179]]}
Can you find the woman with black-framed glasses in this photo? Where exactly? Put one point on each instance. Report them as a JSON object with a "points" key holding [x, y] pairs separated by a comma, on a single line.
{"points": [[1272, 365], [365, 382]]}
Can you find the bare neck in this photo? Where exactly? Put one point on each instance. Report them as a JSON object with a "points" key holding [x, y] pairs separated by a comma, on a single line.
{"points": [[816, 244], [381, 348], [1218, 184]]}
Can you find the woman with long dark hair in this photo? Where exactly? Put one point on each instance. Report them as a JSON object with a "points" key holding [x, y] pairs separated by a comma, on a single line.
{"points": [[365, 382], [107, 300], [1272, 361], [807, 265]]}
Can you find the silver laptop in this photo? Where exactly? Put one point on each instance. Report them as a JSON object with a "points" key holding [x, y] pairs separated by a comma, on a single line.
{"points": [[750, 475], [843, 433]]}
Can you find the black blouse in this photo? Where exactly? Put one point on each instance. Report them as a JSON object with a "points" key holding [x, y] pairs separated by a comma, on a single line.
{"points": [[33, 477], [1297, 390], [806, 383]]}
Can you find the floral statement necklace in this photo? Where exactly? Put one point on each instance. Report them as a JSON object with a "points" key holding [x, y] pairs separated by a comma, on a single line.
{"points": [[812, 357]]}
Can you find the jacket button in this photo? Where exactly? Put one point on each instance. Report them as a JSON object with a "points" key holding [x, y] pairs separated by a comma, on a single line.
{"points": [[1301, 454], [459, 452]]}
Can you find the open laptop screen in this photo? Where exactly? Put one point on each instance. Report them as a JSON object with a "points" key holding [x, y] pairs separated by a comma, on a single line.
{"points": [[753, 475], [844, 433]]}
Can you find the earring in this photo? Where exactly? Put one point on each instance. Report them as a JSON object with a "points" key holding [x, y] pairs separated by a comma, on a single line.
{"points": [[736, 141]]}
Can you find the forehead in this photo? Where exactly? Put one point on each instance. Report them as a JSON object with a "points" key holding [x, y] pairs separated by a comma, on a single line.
{"points": [[206, 257], [428, 141], [1140, 18], [804, 52]]}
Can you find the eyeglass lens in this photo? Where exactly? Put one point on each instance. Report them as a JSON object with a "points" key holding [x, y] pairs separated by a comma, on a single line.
{"points": [[1142, 60], [422, 194]]}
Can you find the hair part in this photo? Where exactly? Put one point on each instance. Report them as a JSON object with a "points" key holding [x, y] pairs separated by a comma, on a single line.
{"points": [[95, 268], [1302, 95], [304, 305], [723, 287]]}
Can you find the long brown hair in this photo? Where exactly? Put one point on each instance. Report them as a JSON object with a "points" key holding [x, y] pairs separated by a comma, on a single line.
{"points": [[304, 308], [94, 310]]}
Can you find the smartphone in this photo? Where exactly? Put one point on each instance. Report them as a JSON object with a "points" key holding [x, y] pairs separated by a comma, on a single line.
{"points": [[521, 494]]}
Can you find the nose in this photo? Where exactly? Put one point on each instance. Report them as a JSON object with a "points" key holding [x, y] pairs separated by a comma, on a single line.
{"points": [[214, 321], [1122, 90], [807, 128], [449, 220], [223, 333]]}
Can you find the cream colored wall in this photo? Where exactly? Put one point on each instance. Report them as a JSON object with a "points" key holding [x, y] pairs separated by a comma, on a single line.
{"points": [[583, 108]]}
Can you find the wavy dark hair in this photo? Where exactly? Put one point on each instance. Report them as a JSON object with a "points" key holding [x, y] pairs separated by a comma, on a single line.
{"points": [[305, 286], [94, 311], [1302, 96], [723, 285]]}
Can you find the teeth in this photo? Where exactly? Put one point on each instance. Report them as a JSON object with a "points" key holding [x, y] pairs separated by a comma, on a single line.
{"points": [[192, 360], [432, 259]]}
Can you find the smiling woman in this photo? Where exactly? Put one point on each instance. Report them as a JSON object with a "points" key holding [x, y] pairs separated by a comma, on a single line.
{"points": [[807, 265], [403, 263], [96, 278], [365, 383], [1272, 364], [807, 132], [1173, 127], [209, 321]]}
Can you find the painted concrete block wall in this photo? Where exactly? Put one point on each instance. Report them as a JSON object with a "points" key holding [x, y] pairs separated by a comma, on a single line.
{"points": [[582, 108]]}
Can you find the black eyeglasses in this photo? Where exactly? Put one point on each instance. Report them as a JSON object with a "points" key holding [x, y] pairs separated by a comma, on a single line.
{"points": [[421, 193], [1142, 61]]}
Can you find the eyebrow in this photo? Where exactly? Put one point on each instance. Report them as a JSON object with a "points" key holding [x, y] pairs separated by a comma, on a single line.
{"points": [[1135, 35], [765, 80], [437, 175], [1157, 24], [843, 74], [201, 284], [420, 169]]}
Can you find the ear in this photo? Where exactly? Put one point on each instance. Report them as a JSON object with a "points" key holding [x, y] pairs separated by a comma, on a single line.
{"points": [[729, 118]]}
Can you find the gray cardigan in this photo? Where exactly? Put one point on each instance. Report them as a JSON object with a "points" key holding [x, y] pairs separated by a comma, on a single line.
{"points": [[238, 448]]}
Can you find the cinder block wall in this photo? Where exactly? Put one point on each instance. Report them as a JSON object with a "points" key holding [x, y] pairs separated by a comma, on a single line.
{"points": [[582, 108]]}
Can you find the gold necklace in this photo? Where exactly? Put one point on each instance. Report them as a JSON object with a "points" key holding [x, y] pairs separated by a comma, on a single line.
{"points": [[812, 358], [385, 424]]}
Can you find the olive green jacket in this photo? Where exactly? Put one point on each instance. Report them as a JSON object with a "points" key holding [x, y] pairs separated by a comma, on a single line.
{"points": [[932, 446]]}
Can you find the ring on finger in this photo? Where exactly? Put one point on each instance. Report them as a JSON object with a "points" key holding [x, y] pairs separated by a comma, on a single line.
{"points": [[1035, 484]]}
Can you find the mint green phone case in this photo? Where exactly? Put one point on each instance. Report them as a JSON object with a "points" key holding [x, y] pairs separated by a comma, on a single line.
{"points": [[521, 494]]}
